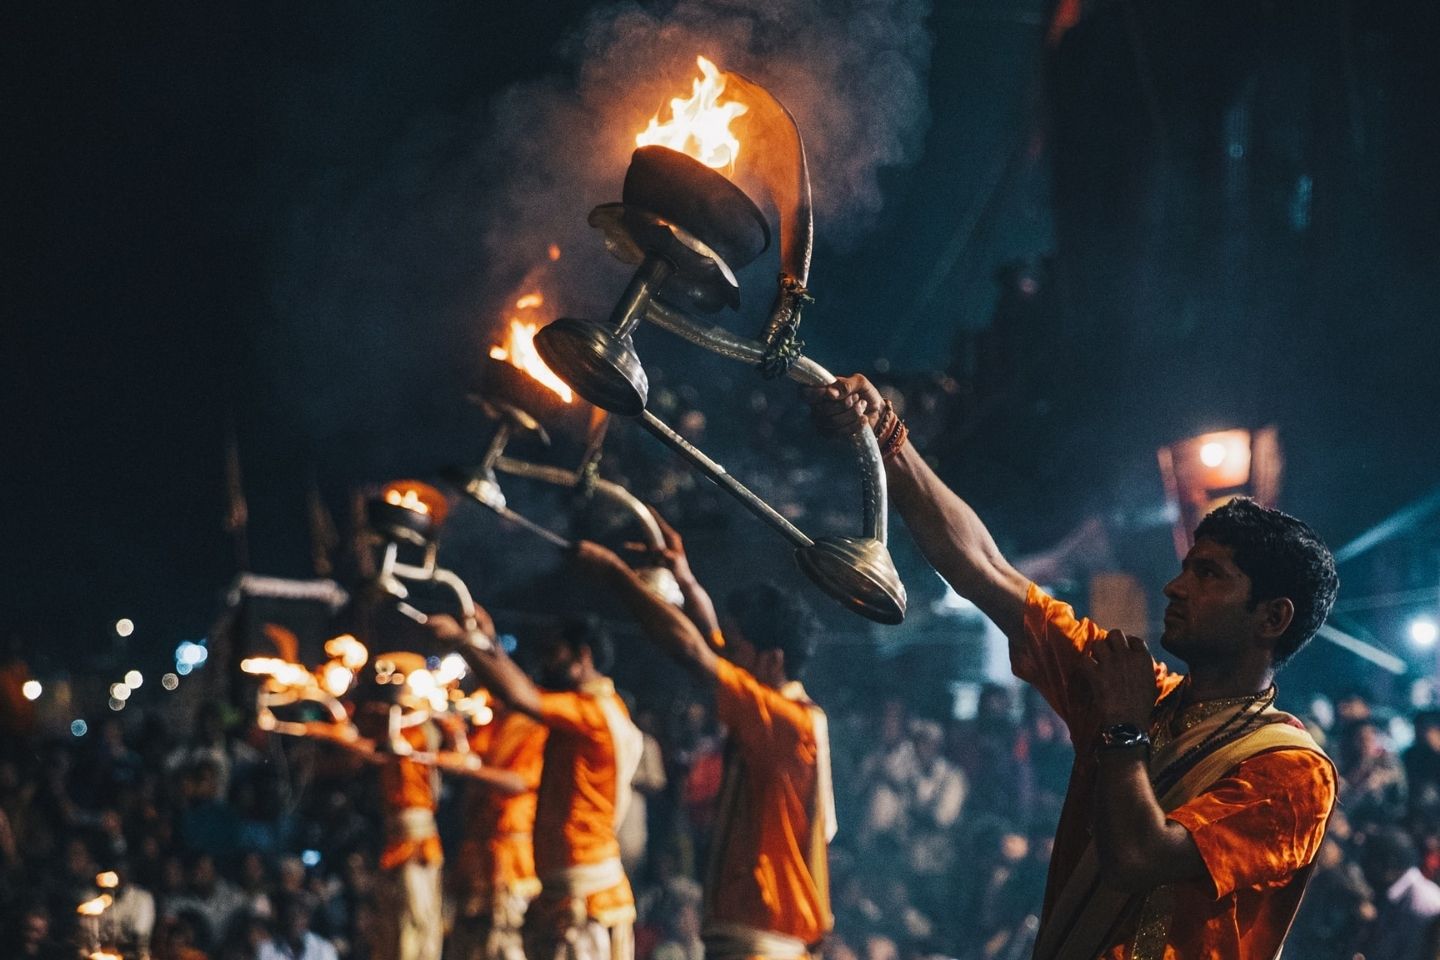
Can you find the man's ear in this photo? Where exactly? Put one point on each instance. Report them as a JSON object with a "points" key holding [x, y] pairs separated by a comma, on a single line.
{"points": [[1276, 617]]}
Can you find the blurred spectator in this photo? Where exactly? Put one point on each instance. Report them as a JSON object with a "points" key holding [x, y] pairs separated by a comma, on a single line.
{"points": [[1000, 894], [33, 939], [681, 910], [130, 921], [211, 898], [1351, 707], [209, 822], [1422, 772], [1408, 924], [1339, 905], [291, 937], [1372, 780], [931, 808], [985, 750], [176, 936]]}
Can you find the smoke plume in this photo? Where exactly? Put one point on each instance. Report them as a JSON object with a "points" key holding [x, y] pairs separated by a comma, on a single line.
{"points": [[387, 277]]}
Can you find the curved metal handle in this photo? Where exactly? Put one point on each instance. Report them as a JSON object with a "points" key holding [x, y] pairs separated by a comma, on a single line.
{"points": [[392, 571], [718, 340], [660, 579], [565, 478]]}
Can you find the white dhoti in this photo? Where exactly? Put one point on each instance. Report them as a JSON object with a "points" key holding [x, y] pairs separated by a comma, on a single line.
{"points": [[410, 923]]}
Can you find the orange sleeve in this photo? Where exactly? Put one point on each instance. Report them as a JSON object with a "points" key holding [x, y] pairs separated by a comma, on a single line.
{"points": [[566, 711], [1048, 654], [1260, 824], [529, 759], [757, 716]]}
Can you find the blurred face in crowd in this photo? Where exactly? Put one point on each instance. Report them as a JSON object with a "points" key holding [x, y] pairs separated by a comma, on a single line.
{"points": [[77, 859], [879, 947], [292, 874], [252, 870], [172, 875], [202, 874], [994, 704], [687, 922], [1365, 742], [1431, 736], [36, 928], [1353, 707]]}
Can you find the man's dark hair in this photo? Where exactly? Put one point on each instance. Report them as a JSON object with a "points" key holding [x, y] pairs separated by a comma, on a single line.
{"points": [[775, 619], [589, 631], [1283, 557]]}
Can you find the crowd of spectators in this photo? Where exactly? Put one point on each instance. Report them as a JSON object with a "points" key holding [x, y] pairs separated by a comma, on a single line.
{"points": [[224, 843], [230, 844]]}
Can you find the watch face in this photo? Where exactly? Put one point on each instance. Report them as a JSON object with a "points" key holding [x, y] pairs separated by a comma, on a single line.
{"points": [[1123, 735]]}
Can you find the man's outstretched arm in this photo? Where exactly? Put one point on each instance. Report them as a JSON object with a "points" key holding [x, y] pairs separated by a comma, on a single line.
{"points": [[666, 626], [947, 530], [497, 671]]}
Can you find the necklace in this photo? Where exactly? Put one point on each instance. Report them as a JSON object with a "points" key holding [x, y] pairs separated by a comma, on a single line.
{"points": [[1174, 720], [1250, 711]]}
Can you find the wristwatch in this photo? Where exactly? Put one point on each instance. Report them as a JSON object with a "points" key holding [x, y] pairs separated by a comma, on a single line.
{"points": [[1123, 736]]}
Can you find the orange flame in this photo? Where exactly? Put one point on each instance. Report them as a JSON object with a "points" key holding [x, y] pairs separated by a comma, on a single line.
{"points": [[93, 908], [519, 351], [409, 500], [699, 126]]}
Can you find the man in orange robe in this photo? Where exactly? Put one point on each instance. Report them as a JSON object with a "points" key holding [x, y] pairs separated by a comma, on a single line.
{"points": [[767, 891], [496, 872], [409, 921], [585, 909], [1195, 808]]}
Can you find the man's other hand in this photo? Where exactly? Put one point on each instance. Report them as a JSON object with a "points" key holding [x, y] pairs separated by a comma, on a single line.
{"points": [[1121, 676]]}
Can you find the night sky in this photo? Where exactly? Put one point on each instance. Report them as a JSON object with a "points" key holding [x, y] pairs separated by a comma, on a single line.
{"points": [[283, 218]]}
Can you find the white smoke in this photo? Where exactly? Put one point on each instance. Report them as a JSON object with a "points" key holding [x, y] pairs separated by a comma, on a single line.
{"points": [[388, 280]]}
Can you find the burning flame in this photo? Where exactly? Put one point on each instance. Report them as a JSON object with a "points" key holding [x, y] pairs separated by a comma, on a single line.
{"points": [[104, 955], [282, 671], [108, 880], [93, 908], [336, 678], [699, 126], [519, 351], [408, 500], [347, 650]]}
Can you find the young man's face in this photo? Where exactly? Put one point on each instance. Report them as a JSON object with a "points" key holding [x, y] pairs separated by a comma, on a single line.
{"points": [[1208, 618]]}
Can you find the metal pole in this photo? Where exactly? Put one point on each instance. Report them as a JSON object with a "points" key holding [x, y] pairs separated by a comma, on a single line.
{"points": [[721, 477]]}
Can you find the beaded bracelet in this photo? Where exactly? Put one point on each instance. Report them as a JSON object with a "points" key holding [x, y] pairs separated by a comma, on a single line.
{"points": [[896, 441], [885, 423]]}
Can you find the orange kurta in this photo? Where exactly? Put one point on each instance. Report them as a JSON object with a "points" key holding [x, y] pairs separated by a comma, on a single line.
{"points": [[409, 789], [761, 876], [498, 852], [579, 788], [1256, 827]]}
